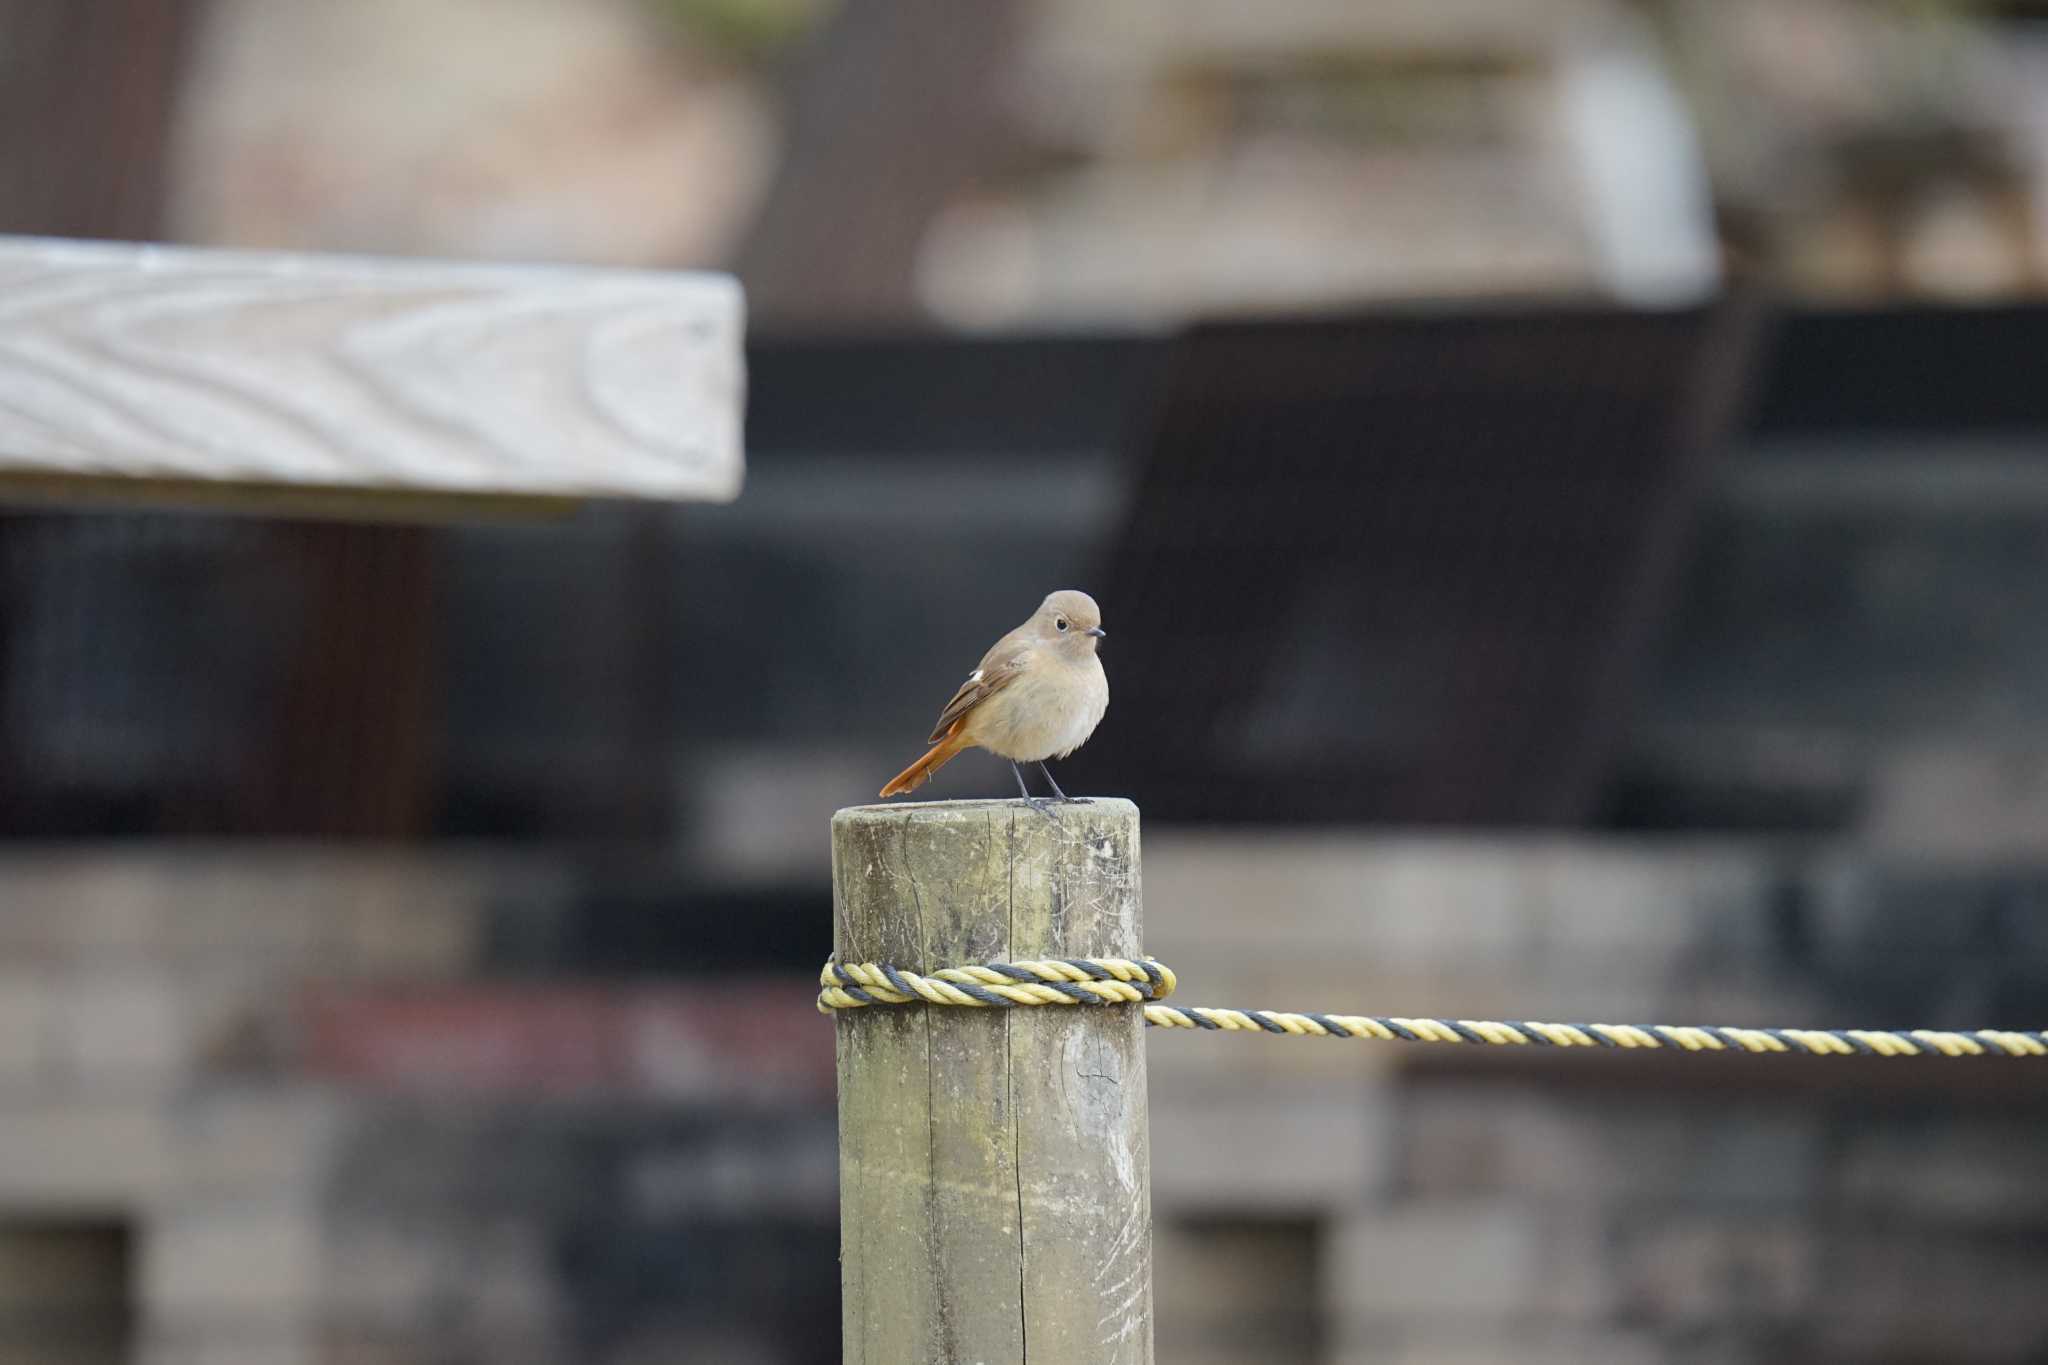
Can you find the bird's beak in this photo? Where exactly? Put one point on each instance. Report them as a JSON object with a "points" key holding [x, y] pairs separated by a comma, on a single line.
{"points": [[1097, 631]]}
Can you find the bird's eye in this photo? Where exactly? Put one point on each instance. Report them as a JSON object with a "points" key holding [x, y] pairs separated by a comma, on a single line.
{"points": [[1060, 622]]}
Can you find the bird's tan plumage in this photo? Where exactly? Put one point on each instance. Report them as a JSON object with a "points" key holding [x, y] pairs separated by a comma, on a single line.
{"points": [[1038, 693]]}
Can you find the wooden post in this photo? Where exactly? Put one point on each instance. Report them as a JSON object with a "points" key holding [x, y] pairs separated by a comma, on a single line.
{"points": [[994, 1165]]}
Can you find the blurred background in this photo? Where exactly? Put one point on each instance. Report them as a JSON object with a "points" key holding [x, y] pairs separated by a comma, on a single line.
{"points": [[1567, 481]]}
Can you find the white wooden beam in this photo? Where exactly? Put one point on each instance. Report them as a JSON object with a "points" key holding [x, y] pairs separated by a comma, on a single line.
{"points": [[314, 382]]}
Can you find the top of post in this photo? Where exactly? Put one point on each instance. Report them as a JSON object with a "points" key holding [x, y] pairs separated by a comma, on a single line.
{"points": [[941, 812]]}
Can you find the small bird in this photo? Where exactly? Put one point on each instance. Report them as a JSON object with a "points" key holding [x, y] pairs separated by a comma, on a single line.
{"points": [[1037, 694]]}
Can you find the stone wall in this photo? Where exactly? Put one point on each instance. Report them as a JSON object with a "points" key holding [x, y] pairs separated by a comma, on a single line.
{"points": [[147, 1077], [298, 1106], [1452, 1204]]}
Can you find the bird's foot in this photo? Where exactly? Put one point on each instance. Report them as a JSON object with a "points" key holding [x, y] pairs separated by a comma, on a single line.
{"points": [[1044, 805]]}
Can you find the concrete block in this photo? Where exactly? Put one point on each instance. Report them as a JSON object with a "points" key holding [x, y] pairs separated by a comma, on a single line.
{"points": [[1914, 1292], [1461, 1139], [762, 829], [389, 1269], [120, 1027], [1643, 905], [1516, 1344], [263, 1341], [1465, 1139], [1431, 1260], [1236, 1289], [1493, 927], [412, 921], [24, 1026], [1697, 1273], [1276, 1148], [60, 906], [1977, 1170], [1960, 801], [1436, 901], [1392, 901], [496, 1276], [258, 1259], [237, 1142], [272, 909], [90, 1154], [1227, 1266], [258, 908], [1460, 901]]}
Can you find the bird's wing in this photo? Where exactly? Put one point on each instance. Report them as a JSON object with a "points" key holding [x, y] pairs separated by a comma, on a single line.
{"points": [[999, 668]]}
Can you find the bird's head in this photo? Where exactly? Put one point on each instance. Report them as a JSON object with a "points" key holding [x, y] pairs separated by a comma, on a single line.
{"points": [[1071, 621]]}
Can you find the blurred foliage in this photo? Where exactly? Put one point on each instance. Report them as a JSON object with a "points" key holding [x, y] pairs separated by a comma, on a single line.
{"points": [[747, 29]]}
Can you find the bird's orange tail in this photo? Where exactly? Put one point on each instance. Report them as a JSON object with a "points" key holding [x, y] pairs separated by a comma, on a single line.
{"points": [[918, 773]]}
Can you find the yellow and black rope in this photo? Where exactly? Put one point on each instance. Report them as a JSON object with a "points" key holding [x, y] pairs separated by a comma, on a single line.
{"points": [[1146, 982]]}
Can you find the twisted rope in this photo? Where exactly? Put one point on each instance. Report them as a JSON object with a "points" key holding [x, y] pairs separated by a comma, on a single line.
{"points": [[1146, 981]]}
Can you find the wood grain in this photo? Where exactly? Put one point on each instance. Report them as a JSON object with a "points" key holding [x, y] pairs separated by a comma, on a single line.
{"points": [[995, 1166], [186, 369]]}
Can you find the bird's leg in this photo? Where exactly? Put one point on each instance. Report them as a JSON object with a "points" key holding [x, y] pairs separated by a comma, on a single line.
{"points": [[1037, 803], [1070, 800]]}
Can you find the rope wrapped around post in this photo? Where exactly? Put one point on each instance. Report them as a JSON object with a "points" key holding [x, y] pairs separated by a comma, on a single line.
{"points": [[1147, 981]]}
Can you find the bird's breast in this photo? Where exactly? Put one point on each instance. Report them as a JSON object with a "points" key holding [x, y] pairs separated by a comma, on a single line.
{"points": [[1047, 713]]}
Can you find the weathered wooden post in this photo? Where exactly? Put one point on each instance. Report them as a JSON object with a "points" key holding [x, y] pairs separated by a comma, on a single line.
{"points": [[994, 1165]]}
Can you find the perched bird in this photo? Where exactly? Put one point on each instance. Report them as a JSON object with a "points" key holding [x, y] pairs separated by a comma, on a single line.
{"points": [[1037, 694]]}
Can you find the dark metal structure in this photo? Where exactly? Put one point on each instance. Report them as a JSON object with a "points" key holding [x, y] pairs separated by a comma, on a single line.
{"points": [[1403, 568]]}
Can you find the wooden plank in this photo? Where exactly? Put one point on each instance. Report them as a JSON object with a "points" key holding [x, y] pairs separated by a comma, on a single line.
{"points": [[179, 371], [995, 1190]]}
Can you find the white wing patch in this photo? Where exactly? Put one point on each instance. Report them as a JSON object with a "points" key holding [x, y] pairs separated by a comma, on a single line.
{"points": [[975, 676]]}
